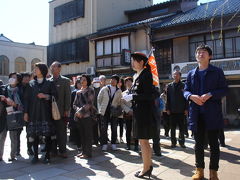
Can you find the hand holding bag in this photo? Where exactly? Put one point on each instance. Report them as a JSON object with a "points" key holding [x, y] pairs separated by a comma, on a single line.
{"points": [[15, 120], [55, 111]]}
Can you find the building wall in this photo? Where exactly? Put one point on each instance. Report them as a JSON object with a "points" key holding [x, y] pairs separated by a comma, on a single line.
{"points": [[98, 14], [72, 29], [110, 13], [29, 52], [180, 50], [80, 68]]}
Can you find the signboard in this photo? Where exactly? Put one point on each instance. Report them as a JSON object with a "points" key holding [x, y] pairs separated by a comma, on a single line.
{"points": [[126, 56], [229, 66]]}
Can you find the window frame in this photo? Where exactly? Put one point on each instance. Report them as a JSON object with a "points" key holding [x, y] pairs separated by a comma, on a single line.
{"points": [[113, 55]]}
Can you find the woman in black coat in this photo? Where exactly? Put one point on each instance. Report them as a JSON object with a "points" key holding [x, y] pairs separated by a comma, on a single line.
{"points": [[143, 103], [38, 110]]}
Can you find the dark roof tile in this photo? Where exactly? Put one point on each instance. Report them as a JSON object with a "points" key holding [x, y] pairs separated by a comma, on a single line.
{"points": [[203, 12]]}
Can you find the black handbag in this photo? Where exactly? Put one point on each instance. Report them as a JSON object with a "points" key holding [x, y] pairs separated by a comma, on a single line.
{"points": [[15, 120], [116, 111]]}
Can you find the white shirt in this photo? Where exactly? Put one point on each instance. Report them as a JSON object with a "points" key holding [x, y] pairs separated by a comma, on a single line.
{"points": [[113, 90]]}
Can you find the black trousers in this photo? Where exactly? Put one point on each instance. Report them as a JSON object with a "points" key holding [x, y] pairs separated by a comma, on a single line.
{"points": [[48, 143], [129, 125], [177, 119], [120, 123], [166, 123], [212, 136], [104, 127], [19, 131], [85, 128], [95, 132], [156, 136], [61, 134], [221, 137]]}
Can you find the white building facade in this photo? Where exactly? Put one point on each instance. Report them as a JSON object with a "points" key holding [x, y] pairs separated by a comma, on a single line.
{"points": [[19, 57]]}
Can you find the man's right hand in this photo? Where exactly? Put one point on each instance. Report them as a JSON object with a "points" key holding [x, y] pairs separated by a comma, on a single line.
{"points": [[168, 112], [25, 117], [197, 99]]}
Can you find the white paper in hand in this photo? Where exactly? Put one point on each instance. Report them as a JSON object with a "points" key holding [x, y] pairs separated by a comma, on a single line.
{"points": [[128, 97]]}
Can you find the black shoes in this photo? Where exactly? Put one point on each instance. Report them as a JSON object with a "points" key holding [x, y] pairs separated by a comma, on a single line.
{"points": [[182, 146], [12, 159], [147, 173], [34, 160], [173, 145], [128, 147], [136, 149], [46, 161]]}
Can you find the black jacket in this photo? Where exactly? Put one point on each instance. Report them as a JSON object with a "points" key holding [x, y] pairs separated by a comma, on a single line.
{"points": [[3, 112], [176, 103], [143, 106]]}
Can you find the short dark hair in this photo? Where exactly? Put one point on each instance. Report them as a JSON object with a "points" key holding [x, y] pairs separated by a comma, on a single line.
{"points": [[19, 77], [77, 81], [204, 47], [177, 71], [88, 79], [128, 79], [25, 74], [58, 63], [115, 76], [43, 68]]}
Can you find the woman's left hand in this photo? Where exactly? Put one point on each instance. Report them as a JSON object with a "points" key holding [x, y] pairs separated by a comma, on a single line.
{"points": [[41, 96], [79, 115]]}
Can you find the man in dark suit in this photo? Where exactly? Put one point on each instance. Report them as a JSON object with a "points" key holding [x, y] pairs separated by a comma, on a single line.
{"points": [[204, 88], [64, 101], [177, 108]]}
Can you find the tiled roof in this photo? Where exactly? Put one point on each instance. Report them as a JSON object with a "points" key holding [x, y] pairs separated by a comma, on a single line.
{"points": [[129, 25], [203, 12], [4, 38]]}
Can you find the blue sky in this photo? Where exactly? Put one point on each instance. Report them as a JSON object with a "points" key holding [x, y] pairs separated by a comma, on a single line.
{"points": [[26, 21]]}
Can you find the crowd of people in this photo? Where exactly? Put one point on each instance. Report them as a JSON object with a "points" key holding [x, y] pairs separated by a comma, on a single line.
{"points": [[89, 106]]}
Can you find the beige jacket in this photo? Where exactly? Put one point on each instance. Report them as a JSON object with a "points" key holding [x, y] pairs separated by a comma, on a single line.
{"points": [[103, 99]]}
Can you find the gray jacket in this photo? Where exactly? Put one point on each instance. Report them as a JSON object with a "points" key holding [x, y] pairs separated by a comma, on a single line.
{"points": [[63, 93]]}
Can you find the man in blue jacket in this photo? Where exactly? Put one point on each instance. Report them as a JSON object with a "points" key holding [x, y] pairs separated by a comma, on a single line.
{"points": [[204, 88]]}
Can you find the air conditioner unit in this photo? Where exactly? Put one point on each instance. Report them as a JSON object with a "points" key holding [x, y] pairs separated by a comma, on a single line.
{"points": [[90, 70]]}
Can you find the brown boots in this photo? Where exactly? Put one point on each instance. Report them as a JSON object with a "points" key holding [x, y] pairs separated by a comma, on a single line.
{"points": [[199, 174], [213, 175]]}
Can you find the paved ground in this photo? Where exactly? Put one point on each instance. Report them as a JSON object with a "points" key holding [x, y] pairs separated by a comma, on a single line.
{"points": [[175, 164]]}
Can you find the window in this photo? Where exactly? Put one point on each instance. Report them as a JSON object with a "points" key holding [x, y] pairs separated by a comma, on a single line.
{"points": [[226, 45], [116, 60], [116, 45], [108, 47], [69, 11], [111, 50], [214, 41], [195, 41], [99, 48], [20, 65], [4, 65], [76, 50], [124, 43], [34, 61], [163, 54]]}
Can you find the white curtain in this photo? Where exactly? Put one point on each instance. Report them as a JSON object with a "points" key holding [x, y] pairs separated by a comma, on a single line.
{"points": [[99, 48], [116, 45], [108, 47], [124, 42]]}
